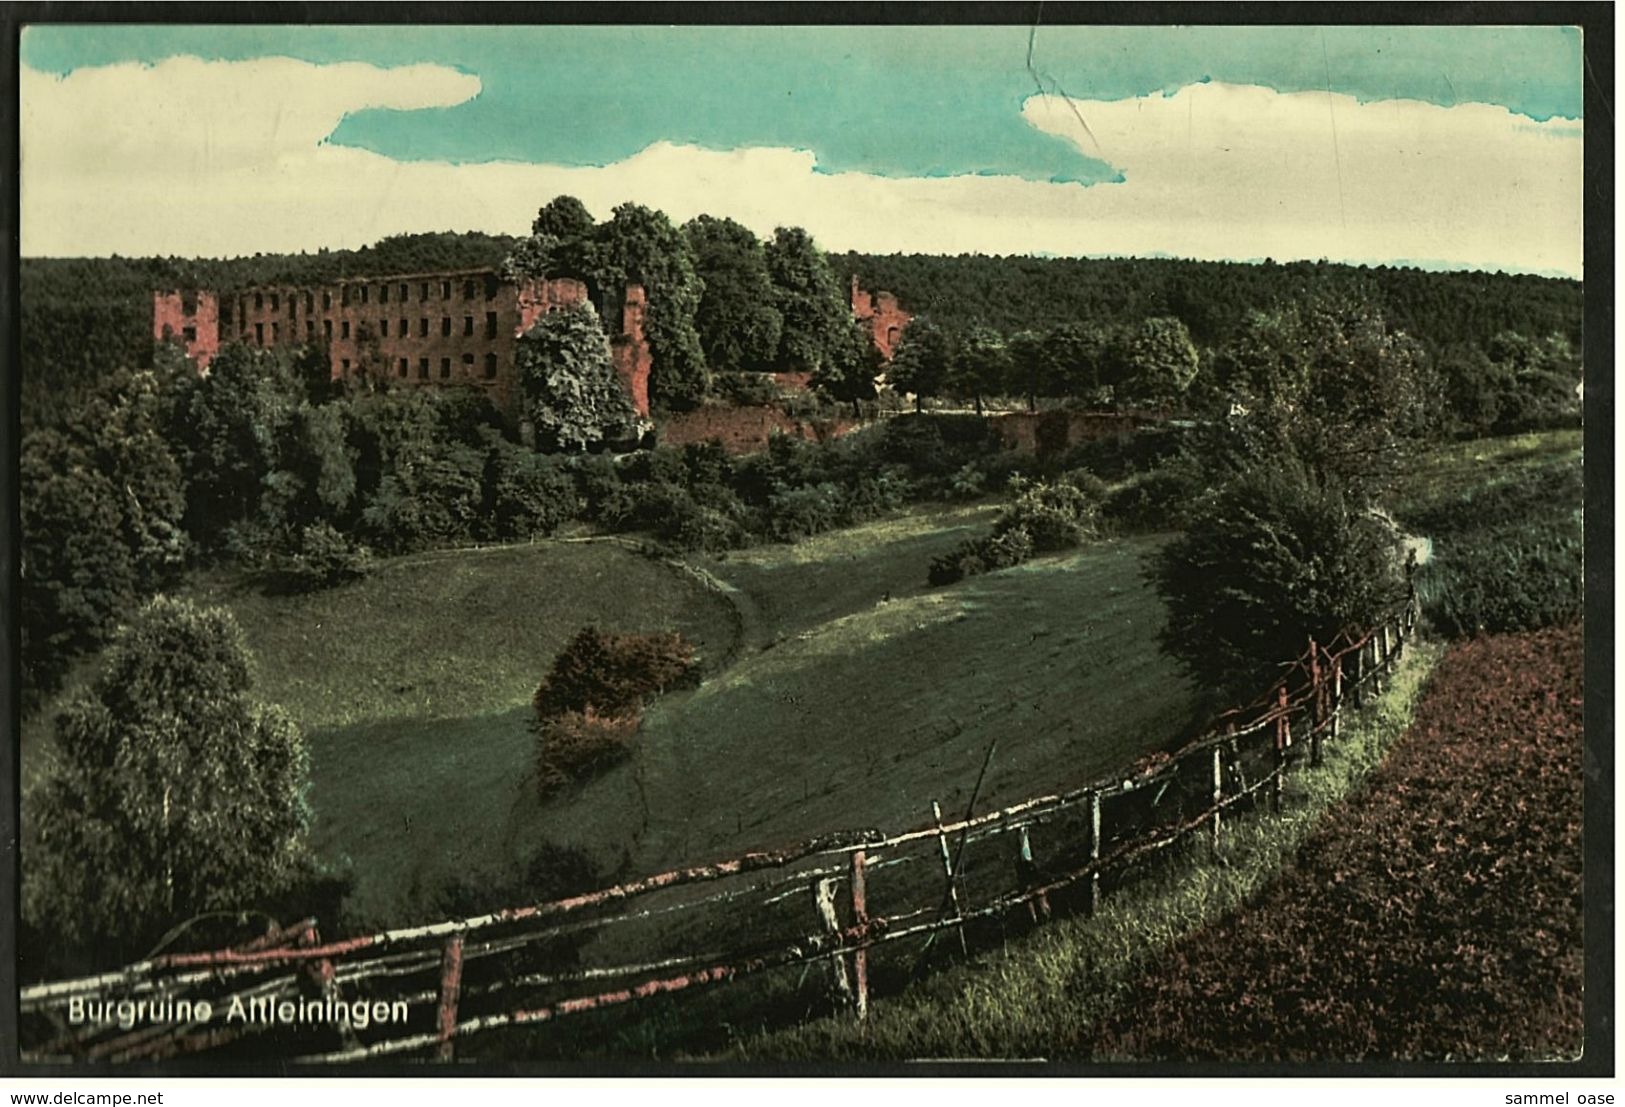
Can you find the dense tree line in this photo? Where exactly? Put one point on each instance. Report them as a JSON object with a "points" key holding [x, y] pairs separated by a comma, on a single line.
{"points": [[1014, 294]]}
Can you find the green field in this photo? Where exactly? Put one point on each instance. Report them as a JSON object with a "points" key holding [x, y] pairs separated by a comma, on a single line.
{"points": [[862, 696], [413, 688], [839, 691]]}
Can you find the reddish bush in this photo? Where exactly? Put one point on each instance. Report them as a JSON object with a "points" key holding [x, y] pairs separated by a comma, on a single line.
{"points": [[612, 674], [591, 702], [1435, 915], [577, 745]]}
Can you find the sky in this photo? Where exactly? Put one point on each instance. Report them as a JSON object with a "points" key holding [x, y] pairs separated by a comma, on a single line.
{"points": [[1449, 147]]}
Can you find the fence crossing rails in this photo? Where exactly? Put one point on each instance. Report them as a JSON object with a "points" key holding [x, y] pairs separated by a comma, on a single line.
{"points": [[451, 956]]}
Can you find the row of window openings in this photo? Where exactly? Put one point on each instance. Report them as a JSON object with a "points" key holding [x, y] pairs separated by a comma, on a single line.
{"points": [[445, 367], [404, 331], [470, 290]]}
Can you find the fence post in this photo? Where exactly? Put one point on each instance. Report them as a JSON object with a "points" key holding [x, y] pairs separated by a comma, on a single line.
{"points": [[1218, 794], [860, 920], [451, 986], [1027, 870], [1381, 673], [948, 872], [824, 898], [1317, 704], [1094, 852], [1359, 676], [1337, 697], [1283, 738]]}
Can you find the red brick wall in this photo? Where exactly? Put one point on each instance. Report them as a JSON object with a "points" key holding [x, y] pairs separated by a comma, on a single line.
{"points": [[170, 321], [630, 350], [746, 430], [881, 316]]}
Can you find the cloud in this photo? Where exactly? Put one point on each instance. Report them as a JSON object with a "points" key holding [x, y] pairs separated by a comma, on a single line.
{"points": [[222, 158]]}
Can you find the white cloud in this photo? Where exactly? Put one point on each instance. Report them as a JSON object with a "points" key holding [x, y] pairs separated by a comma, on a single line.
{"points": [[220, 158]]}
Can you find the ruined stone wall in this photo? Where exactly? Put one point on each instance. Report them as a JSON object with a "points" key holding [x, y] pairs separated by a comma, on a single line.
{"points": [[629, 350], [746, 430], [191, 318], [881, 315], [1045, 432]]}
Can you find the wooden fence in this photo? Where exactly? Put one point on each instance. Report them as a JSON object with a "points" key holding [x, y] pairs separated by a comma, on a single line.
{"points": [[850, 903]]}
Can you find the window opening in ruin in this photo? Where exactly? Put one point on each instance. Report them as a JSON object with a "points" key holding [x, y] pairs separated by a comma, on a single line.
{"points": [[423, 368], [310, 329], [383, 294], [188, 333], [468, 289], [366, 289], [310, 302], [423, 327], [346, 364], [327, 301], [345, 331], [276, 303], [259, 333], [403, 291], [383, 328], [327, 329], [276, 333], [259, 301], [404, 329], [490, 324], [490, 366], [423, 291], [403, 368], [468, 325], [169, 332], [445, 290], [468, 365], [445, 325], [445, 367], [189, 302], [344, 295]]}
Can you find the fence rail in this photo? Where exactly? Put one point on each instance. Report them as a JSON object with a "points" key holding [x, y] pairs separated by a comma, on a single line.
{"points": [[837, 900]]}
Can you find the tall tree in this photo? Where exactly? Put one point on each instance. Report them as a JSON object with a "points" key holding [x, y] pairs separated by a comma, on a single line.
{"points": [[640, 244], [738, 325], [175, 792], [1161, 363], [980, 366], [809, 298], [920, 362], [849, 375]]}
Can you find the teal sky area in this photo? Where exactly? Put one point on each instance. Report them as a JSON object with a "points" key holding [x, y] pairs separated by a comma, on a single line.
{"points": [[893, 101]]}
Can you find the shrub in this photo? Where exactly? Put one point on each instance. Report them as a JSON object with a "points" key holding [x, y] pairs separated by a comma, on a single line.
{"points": [[1269, 562], [612, 674], [578, 745], [981, 555], [322, 558], [1158, 500], [746, 389], [527, 495], [1055, 516], [968, 482], [798, 513]]}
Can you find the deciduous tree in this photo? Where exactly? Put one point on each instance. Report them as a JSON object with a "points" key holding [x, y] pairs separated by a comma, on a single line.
{"points": [[175, 792]]}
